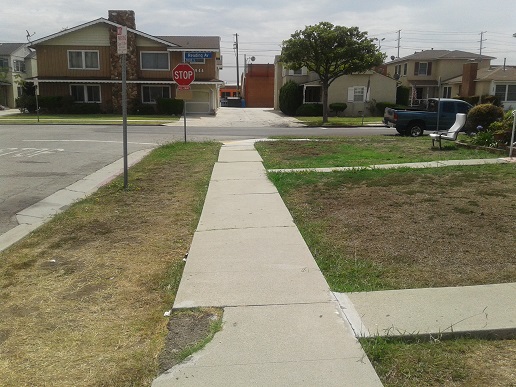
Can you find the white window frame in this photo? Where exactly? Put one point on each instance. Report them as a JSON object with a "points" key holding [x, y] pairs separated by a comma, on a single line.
{"points": [[155, 52], [356, 91], [18, 66], [85, 90], [506, 91], [83, 59], [154, 86], [298, 72], [4, 61]]}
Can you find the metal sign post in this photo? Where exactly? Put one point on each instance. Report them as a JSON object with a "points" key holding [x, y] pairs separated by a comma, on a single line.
{"points": [[121, 40], [183, 75]]}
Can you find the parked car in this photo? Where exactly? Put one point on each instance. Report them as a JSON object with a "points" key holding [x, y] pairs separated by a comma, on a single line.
{"points": [[415, 122]]}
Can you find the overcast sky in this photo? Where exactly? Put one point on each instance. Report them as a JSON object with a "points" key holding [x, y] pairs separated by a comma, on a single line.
{"points": [[263, 24]]}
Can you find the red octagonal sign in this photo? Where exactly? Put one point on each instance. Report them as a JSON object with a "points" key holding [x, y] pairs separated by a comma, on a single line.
{"points": [[183, 74]]}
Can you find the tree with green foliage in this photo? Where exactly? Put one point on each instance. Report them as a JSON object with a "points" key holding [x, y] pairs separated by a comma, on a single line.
{"points": [[330, 52], [290, 98]]}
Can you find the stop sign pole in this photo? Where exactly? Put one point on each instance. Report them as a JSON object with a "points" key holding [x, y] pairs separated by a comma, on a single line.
{"points": [[183, 75]]}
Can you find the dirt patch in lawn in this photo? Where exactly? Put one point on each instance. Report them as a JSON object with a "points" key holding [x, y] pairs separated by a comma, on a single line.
{"points": [[426, 228]]}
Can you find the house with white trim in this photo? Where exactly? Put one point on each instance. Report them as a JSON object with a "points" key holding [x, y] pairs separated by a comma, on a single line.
{"points": [[358, 91], [17, 63], [83, 62]]}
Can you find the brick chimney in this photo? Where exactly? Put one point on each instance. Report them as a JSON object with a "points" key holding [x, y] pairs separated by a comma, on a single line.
{"points": [[469, 74], [125, 18]]}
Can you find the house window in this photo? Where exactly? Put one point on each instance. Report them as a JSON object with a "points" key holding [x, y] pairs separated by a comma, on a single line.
{"points": [[151, 93], [397, 69], [423, 68], [313, 94], [85, 93], [19, 66], [356, 94], [301, 71], [4, 63], [447, 92], [405, 67], [505, 92], [83, 60], [155, 61]]}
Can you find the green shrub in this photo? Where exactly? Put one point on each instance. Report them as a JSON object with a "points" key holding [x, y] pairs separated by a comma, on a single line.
{"points": [[170, 106], [310, 110], [484, 139], [484, 99], [26, 103], [380, 108], [402, 96], [503, 129], [290, 98], [483, 115], [338, 107], [83, 108]]}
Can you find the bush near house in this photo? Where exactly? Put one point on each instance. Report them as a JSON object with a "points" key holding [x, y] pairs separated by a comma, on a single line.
{"points": [[56, 105], [338, 107], [290, 98], [170, 106], [310, 110], [482, 99], [483, 115], [502, 130]]}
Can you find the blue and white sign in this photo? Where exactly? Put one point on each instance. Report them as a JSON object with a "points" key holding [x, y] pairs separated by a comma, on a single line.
{"points": [[191, 55]]}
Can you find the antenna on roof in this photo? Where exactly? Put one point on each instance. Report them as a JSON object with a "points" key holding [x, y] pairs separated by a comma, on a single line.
{"points": [[29, 35]]}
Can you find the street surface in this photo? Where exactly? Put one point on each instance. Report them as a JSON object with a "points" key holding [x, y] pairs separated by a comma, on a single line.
{"points": [[38, 160]]}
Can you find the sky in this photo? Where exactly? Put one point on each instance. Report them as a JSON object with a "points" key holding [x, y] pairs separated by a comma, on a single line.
{"points": [[263, 25]]}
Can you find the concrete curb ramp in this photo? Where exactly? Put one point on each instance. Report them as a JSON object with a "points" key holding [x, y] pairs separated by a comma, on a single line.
{"points": [[282, 325]]}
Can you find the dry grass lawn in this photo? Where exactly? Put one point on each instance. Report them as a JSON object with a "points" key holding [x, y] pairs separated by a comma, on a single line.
{"points": [[82, 298]]}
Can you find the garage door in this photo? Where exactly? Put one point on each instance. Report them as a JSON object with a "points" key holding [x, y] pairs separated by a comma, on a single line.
{"points": [[200, 102]]}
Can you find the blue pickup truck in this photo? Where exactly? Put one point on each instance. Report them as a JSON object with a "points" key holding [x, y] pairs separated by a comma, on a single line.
{"points": [[415, 122]]}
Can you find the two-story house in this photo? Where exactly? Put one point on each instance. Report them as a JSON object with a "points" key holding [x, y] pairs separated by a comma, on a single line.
{"points": [[83, 62], [17, 63], [421, 71], [356, 90]]}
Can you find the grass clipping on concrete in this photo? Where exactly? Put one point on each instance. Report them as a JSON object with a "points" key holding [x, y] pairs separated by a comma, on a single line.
{"points": [[82, 298]]}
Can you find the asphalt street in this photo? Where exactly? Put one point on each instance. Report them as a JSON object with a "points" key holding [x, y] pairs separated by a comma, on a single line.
{"points": [[38, 160]]}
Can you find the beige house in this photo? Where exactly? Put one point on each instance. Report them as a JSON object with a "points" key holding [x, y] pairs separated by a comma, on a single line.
{"points": [[422, 70], [499, 81], [83, 62], [17, 62], [358, 91]]}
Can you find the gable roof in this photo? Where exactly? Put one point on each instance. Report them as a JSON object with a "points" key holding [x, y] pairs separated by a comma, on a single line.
{"points": [[441, 54], [99, 21], [9, 48]]}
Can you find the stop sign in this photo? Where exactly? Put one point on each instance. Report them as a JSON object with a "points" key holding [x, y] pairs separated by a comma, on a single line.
{"points": [[183, 74]]}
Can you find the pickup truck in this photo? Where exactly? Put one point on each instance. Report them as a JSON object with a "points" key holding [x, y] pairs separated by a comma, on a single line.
{"points": [[415, 122]]}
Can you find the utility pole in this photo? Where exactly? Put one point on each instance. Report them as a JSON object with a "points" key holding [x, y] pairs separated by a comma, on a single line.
{"points": [[399, 39], [482, 40], [237, 66]]}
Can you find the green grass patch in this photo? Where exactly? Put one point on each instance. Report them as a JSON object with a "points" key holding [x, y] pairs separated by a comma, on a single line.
{"points": [[359, 151], [90, 119], [340, 121], [457, 362]]}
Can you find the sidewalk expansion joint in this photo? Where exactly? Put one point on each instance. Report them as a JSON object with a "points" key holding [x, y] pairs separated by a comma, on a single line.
{"points": [[278, 304], [246, 228]]}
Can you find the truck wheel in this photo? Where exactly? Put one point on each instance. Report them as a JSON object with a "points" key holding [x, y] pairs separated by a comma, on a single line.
{"points": [[416, 130]]}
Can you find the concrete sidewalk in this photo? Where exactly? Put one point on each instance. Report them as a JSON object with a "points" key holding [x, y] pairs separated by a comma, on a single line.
{"points": [[282, 325]]}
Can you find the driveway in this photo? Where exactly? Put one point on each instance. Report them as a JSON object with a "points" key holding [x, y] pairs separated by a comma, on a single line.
{"points": [[228, 117]]}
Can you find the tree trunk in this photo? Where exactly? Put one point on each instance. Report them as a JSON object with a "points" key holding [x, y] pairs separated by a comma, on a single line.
{"points": [[325, 88]]}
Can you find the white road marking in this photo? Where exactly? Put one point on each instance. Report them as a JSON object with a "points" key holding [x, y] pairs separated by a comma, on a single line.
{"points": [[95, 141], [27, 152]]}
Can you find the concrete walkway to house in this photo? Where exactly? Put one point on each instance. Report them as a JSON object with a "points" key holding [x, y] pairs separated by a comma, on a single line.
{"points": [[282, 325]]}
